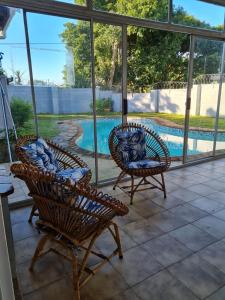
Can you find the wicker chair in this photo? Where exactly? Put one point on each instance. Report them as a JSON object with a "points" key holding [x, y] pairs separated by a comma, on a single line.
{"points": [[72, 218], [65, 160], [156, 150]]}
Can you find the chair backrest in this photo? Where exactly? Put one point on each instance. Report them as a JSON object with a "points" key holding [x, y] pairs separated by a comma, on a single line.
{"points": [[156, 149], [74, 211], [64, 158]]}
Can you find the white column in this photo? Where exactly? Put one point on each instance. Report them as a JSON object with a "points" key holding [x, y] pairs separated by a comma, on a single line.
{"points": [[6, 284]]}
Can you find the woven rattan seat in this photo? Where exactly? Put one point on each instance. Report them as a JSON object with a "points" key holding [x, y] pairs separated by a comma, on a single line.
{"points": [[72, 217], [156, 151], [64, 158]]}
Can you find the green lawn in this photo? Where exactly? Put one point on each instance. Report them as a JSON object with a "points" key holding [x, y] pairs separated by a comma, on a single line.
{"points": [[195, 121], [47, 128]]}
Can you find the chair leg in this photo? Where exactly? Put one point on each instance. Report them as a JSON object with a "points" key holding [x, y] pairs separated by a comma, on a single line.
{"points": [[75, 277], [87, 253], [117, 239], [163, 185], [118, 180], [38, 250], [34, 208], [132, 190]]}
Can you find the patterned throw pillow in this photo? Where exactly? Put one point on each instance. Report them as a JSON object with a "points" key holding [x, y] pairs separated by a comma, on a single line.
{"points": [[48, 157], [31, 152], [74, 174], [41, 155], [131, 145], [145, 164]]}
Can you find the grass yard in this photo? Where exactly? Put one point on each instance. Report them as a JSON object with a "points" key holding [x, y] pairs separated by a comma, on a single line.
{"points": [[47, 128]]}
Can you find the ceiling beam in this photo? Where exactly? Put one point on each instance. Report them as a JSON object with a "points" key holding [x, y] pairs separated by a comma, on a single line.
{"points": [[83, 12], [217, 2]]}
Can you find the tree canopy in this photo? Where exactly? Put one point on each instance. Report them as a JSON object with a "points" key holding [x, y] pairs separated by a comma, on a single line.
{"points": [[153, 56]]}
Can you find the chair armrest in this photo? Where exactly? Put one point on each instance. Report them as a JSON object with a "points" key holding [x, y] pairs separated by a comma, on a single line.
{"points": [[106, 201]]}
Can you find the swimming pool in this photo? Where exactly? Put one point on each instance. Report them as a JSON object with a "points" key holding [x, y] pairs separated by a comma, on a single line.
{"points": [[198, 141]]}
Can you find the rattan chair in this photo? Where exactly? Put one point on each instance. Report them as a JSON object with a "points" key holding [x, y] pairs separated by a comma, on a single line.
{"points": [[71, 217], [65, 160], [156, 150]]}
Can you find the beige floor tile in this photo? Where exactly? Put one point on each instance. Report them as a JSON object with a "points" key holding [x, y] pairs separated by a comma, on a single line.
{"points": [[163, 286], [166, 249], [193, 237], [208, 205], [137, 265], [198, 275]]}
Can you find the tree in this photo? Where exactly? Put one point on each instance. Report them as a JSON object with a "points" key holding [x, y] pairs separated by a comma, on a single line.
{"points": [[18, 77], [77, 37], [153, 55]]}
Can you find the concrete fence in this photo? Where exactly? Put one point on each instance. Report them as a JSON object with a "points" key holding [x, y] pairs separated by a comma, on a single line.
{"points": [[55, 100]]}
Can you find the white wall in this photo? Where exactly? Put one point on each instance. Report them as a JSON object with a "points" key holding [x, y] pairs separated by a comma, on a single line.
{"points": [[72, 100], [6, 285]]}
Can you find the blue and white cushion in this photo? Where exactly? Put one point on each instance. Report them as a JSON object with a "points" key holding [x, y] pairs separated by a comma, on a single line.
{"points": [[74, 174], [131, 145], [88, 204], [31, 152], [145, 164], [53, 161], [41, 155]]}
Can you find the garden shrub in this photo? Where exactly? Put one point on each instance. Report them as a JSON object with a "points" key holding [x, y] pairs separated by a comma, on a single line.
{"points": [[21, 111], [103, 105]]}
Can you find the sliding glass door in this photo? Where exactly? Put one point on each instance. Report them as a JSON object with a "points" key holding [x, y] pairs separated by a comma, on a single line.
{"points": [[61, 63], [220, 123], [17, 94], [205, 94], [108, 92], [65, 81], [72, 77], [157, 82]]}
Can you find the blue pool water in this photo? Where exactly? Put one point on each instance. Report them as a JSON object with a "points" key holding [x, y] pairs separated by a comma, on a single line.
{"points": [[198, 142]]}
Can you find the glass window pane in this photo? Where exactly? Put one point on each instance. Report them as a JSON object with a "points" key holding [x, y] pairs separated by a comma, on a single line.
{"points": [[220, 140], [197, 13], [143, 9], [62, 79], [204, 97], [15, 65], [157, 80], [78, 2], [108, 77]]}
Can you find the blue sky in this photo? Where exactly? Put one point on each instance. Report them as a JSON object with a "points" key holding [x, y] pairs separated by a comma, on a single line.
{"points": [[210, 13], [49, 53]]}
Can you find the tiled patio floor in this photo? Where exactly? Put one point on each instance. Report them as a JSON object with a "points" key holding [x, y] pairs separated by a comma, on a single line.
{"points": [[174, 249]]}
